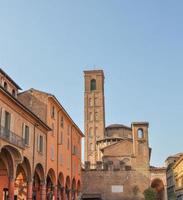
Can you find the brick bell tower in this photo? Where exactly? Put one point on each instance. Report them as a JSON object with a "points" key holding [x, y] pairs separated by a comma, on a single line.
{"points": [[94, 112]]}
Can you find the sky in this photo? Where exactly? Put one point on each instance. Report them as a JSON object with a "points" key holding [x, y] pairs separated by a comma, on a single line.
{"points": [[139, 44]]}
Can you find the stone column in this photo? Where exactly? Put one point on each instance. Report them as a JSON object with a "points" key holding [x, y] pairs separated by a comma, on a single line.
{"points": [[43, 191], [55, 192], [11, 188], [29, 190]]}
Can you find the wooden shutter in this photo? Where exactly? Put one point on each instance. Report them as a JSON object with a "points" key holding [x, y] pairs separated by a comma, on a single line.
{"points": [[23, 130], [3, 117], [38, 143]]}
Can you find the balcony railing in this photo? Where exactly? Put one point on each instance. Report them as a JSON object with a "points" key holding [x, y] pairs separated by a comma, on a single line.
{"points": [[11, 137]]}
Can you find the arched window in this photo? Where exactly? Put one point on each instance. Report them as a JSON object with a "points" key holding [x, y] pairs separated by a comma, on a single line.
{"points": [[5, 86], [93, 84], [90, 134], [13, 92], [140, 133], [90, 116]]}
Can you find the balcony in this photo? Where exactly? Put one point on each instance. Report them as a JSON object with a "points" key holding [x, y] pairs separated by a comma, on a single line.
{"points": [[11, 137]]}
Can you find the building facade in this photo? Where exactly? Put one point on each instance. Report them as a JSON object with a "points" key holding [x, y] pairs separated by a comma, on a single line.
{"points": [[117, 157], [40, 145], [170, 161], [178, 177]]}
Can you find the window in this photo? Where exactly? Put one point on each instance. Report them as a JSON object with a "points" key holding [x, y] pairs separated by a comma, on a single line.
{"points": [[90, 133], [13, 92], [96, 116], [93, 85], [90, 116], [7, 121], [140, 133], [62, 122], [96, 101], [5, 86], [40, 143], [26, 134], [90, 101], [96, 134], [69, 129], [74, 150], [53, 112]]}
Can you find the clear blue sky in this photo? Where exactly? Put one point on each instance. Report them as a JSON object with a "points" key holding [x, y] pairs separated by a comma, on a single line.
{"points": [[47, 44]]}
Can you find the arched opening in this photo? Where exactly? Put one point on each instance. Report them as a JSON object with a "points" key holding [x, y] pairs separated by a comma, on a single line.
{"points": [[9, 156], [50, 184], [23, 177], [38, 181], [67, 188], [60, 186], [158, 185], [140, 133], [20, 183], [73, 194], [93, 84], [13, 93], [5, 86], [78, 188]]}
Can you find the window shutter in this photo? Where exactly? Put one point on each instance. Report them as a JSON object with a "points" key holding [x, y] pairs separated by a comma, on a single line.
{"points": [[23, 130], [3, 118], [11, 122], [27, 135], [38, 138], [0, 114]]}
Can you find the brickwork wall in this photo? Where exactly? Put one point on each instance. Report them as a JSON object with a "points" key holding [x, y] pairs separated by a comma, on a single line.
{"points": [[101, 182]]}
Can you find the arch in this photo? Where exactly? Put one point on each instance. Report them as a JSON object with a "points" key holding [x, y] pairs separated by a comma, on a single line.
{"points": [[39, 170], [50, 183], [73, 189], [158, 185], [51, 174], [61, 186], [126, 160], [38, 181], [61, 178], [7, 158], [21, 182], [5, 85], [67, 187], [13, 92], [18, 158], [93, 85], [140, 133]]}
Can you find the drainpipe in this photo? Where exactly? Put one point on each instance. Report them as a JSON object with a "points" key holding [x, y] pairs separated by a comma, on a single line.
{"points": [[71, 160], [33, 159], [58, 124]]}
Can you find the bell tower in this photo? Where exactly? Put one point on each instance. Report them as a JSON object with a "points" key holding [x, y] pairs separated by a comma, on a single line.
{"points": [[94, 112]]}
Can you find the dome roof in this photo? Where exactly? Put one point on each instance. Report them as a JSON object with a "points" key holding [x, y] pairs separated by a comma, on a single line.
{"points": [[115, 126]]}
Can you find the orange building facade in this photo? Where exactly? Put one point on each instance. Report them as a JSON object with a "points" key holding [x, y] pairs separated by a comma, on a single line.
{"points": [[40, 145]]}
